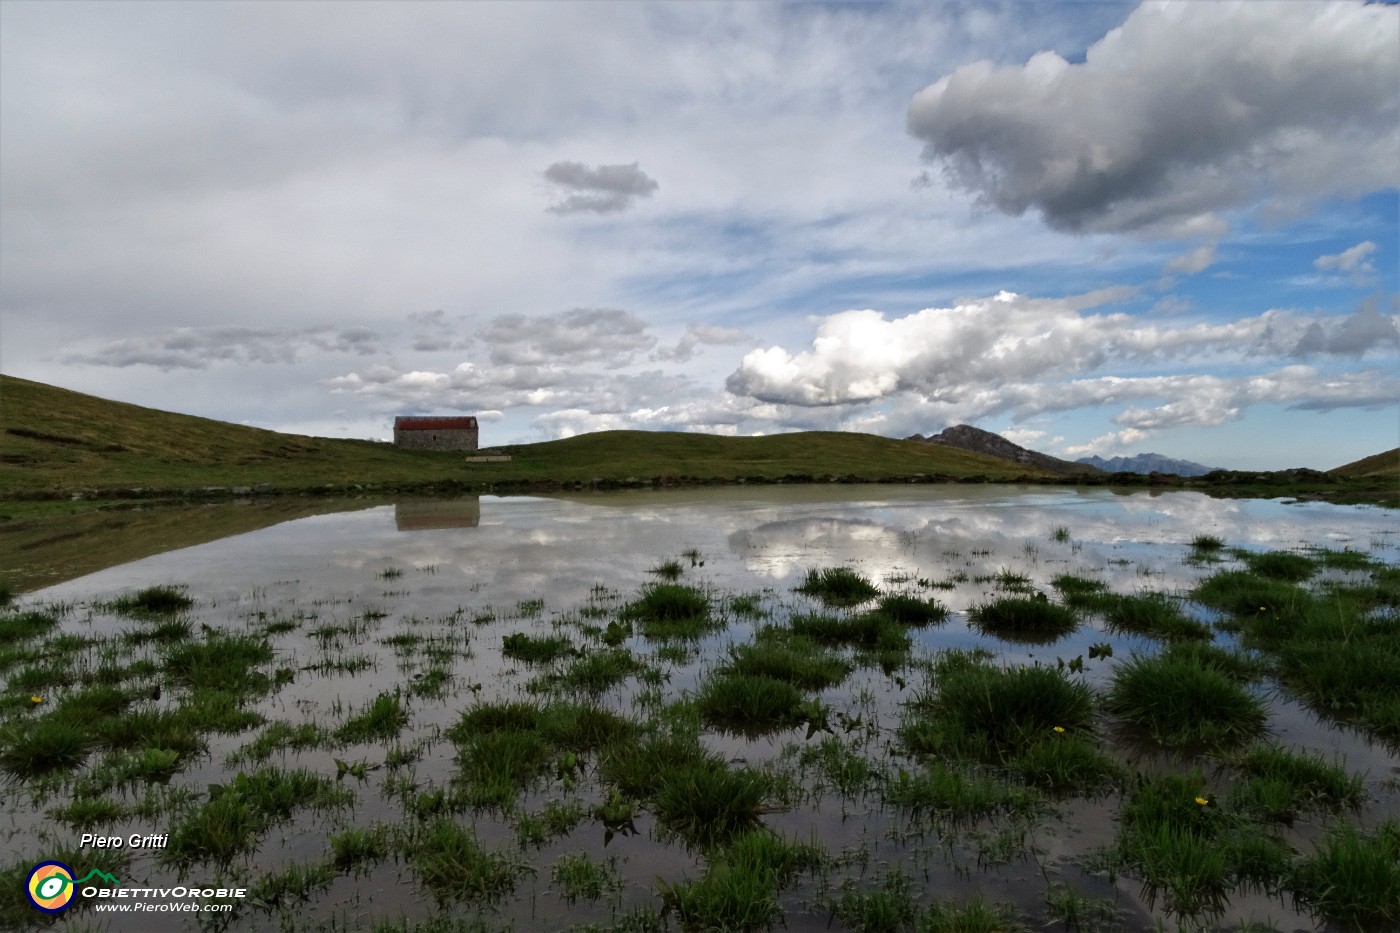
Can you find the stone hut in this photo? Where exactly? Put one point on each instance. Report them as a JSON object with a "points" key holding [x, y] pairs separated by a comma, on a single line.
{"points": [[435, 433]]}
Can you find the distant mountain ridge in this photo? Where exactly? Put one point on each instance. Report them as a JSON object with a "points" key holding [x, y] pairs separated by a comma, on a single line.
{"points": [[966, 437], [1148, 463]]}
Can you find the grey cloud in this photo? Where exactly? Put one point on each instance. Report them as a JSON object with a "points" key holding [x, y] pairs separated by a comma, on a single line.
{"points": [[202, 347], [698, 335], [1358, 333], [1181, 112], [583, 335], [606, 189]]}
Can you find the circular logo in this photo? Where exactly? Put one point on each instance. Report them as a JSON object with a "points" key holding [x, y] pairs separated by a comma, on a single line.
{"points": [[50, 887]]}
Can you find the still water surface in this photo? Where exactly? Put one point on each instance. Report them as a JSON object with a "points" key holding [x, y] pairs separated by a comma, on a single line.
{"points": [[424, 562]]}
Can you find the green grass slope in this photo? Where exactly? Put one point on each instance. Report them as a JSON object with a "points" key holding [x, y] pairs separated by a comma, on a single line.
{"points": [[1378, 465], [56, 442]]}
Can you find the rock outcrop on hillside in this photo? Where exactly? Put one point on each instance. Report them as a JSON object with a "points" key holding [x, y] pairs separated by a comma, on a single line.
{"points": [[1147, 463], [966, 437]]}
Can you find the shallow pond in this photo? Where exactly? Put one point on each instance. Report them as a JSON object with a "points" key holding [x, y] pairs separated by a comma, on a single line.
{"points": [[413, 601]]}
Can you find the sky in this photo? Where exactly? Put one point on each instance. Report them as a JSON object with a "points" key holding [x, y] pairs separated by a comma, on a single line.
{"points": [[1094, 228]]}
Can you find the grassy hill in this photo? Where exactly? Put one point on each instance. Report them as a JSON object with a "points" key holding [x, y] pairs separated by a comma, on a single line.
{"points": [[57, 443], [1378, 465]]}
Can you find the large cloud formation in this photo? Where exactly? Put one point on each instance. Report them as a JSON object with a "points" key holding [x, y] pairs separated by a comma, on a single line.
{"points": [[1185, 110]]}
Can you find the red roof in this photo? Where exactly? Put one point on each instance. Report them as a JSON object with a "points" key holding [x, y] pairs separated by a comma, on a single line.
{"points": [[434, 424]]}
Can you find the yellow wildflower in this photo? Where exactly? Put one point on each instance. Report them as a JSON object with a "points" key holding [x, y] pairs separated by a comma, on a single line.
{"points": [[1203, 801], [1059, 728], [34, 699]]}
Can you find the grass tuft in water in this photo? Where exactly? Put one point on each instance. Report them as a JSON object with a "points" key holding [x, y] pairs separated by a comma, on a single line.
{"points": [[977, 710], [454, 866], [581, 878], [356, 848], [1081, 592], [1179, 701], [1155, 615], [22, 626], [870, 630], [1034, 619], [1282, 565], [382, 719], [43, 746], [706, 803], [911, 610], [1280, 782], [671, 610], [221, 662], [1353, 879], [533, 649], [778, 654], [152, 601], [749, 704], [838, 586]]}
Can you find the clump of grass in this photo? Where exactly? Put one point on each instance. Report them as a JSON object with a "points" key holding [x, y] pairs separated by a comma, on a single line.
{"points": [[579, 877], [739, 888], [495, 767], [292, 884], [871, 630], [597, 672], [838, 765], [1353, 878], [454, 866], [1081, 592], [1345, 559], [1033, 619], [749, 705], [236, 814], [1246, 595], [790, 658], [1282, 565], [221, 662], [890, 908], [1155, 615], [668, 570], [838, 586], [1191, 851], [355, 847], [1207, 544], [582, 727], [995, 713], [23, 626], [1065, 763], [152, 601], [747, 604], [43, 746], [1279, 782], [956, 796], [558, 818], [536, 649], [1060, 534], [671, 610], [706, 803], [382, 719], [911, 610], [87, 812], [1180, 702]]}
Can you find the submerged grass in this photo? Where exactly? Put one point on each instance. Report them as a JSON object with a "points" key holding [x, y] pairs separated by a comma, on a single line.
{"points": [[672, 610], [454, 866]]}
